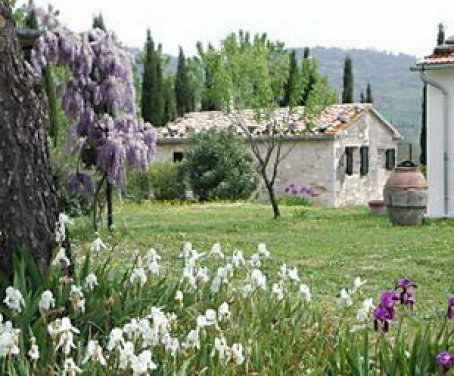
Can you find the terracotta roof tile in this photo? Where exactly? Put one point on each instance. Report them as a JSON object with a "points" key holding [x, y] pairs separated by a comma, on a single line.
{"points": [[437, 59]]}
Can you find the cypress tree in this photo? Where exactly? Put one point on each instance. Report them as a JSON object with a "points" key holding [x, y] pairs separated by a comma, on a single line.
{"points": [[98, 22], [291, 85], [423, 134], [49, 86], [152, 102], [362, 98], [209, 102], [441, 34], [183, 93], [170, 110], [306, 53], [347, 91], [310, 77], [369, 98]]}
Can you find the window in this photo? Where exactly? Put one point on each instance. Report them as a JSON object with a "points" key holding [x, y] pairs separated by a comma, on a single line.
{"points": [[177, 156], [364, 152], [349, 160], [390, 159]]}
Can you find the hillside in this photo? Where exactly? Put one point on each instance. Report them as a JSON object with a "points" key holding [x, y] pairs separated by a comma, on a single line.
{"points": [[396, 90]]}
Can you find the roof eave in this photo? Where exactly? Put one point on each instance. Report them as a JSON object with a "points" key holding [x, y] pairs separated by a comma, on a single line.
{"points": [[424, 67], [185, 140]]}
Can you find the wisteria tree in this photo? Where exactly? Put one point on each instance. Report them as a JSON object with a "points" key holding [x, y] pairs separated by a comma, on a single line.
{"points": [[99, 100]]}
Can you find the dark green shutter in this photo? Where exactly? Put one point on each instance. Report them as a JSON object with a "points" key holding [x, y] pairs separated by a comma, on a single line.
{"points": [[364, 152], [349, 161], [390, 159]]}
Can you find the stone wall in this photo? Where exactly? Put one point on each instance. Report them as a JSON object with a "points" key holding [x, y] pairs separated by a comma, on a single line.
{"points": [[309, 162], [369, 131], [321, 163]]}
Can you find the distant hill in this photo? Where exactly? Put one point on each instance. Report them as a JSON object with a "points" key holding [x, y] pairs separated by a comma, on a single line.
{"points": [[396, 90]]}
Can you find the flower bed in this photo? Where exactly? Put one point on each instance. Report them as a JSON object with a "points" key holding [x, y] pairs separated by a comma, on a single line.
{"points": [[210, 313]]}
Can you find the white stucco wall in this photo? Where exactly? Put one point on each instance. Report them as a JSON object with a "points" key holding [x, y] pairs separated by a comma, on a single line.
{"points": [[435, 142]]}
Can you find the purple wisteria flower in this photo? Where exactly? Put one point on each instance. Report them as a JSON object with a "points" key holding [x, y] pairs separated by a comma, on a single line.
{"points": [[406, 295], [385, 312], [450, 313], [99, 99], [80, 183], [445, 360]]}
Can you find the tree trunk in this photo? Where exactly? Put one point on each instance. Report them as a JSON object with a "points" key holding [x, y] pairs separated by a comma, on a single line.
{"points": [[109, 198], [273, 198], [28, 199]]}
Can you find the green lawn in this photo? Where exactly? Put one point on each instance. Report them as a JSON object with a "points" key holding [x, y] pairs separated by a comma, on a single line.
{"points": [[330, 246]]}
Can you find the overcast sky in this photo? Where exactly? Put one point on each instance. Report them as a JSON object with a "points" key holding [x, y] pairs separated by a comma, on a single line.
{"points": [[408, 26]]}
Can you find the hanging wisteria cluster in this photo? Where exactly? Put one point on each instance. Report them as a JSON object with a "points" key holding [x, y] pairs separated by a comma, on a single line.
{"points": [[99, 99]]}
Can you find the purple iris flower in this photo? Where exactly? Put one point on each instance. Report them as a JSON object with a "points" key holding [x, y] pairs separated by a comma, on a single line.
{"points": [[450, 313], [445, 360], [385, 312], [406, 295]]}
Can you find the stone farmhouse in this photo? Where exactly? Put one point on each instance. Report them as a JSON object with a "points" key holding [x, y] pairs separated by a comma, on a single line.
{"points": [[346, 154]]}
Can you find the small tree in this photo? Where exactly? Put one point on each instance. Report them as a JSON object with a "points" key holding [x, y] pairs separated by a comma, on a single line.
{"points": [[441, 34], [253, 73], [347, 91], [219, 166]]}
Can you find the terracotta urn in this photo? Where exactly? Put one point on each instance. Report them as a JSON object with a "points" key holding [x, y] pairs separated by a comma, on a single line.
{"points": [[405, 195]]}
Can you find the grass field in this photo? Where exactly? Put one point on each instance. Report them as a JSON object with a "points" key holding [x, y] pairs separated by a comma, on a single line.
{"points": [[330, 246]]}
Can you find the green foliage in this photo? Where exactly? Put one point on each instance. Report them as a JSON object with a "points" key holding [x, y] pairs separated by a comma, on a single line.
{"points": [[292, 86], [167, 180], [219, 166], [184, 96], [294, 200], [347, 91], [98, 22], [170, 110], [216, 82], [152, 104], [49, 86], [137, 184]]}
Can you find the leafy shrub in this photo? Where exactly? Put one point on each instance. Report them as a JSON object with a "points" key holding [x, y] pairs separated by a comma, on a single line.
{"points": [[219, 166], [167, 180], [137, 184]]}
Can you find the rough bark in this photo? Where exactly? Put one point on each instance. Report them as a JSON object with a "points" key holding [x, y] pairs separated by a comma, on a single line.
{"points": [[28, 200]]}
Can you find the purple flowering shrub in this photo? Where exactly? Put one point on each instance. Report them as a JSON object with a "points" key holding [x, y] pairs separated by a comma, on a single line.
{"points": [[298, 194], [98, 100]]}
